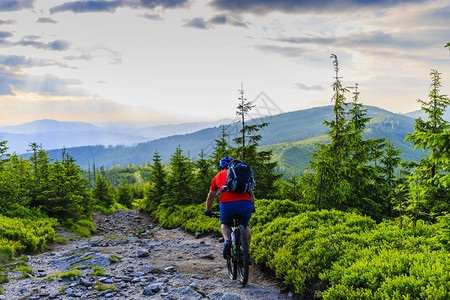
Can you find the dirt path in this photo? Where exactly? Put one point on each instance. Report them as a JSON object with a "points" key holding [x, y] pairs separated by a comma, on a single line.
{"points": [[140, 261]]}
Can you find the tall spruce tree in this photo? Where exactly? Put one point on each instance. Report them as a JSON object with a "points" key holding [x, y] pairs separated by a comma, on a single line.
{"points": [[345, 170], [202, 177], [260, 161], [428, 196], [180, 179], [103, 192], [157, 188], [221, 149]]}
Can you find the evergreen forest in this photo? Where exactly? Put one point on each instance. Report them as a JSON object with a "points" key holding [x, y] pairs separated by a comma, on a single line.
{"points": [[360, 222]]}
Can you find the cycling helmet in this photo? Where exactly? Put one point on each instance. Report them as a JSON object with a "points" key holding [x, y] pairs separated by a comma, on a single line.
{"points": [[225, 161]]}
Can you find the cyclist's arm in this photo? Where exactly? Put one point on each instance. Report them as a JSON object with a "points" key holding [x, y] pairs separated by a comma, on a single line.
{"points": [[210, 199]]}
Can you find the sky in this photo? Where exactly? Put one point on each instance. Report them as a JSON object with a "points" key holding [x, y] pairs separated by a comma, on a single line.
{"points": [[175, 61]]}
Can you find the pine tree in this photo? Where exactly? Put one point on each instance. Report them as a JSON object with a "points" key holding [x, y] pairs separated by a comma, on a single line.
{"points": [[428, 196], [180, 179], [221, 149], [202, 178], [103, 193], [156, 190], [69, 199], [260, 161], [125, 195]]}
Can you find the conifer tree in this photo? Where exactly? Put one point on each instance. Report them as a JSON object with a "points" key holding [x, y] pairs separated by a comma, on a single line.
{"points": [[260, 161], [221, 149], [103, 192], [69, 199], [428, 196], [180, 179], [202, 177], [157, 188], [125, 195]]}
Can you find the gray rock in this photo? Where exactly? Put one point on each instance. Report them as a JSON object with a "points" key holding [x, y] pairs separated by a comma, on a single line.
{"points": [[155, 288], [169, 269], [147, 291], [69, 291], [143, 253], [208, 256], [215, 296], [85, 282], [231, 297], [187, 292], [194, 286]]}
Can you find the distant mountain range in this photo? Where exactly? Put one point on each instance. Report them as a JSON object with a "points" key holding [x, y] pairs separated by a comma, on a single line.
{"points": [[291, 136], [56, 135]]}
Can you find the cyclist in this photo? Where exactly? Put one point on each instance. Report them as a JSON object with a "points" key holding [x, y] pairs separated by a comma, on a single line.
{"points": [[231, 204]]}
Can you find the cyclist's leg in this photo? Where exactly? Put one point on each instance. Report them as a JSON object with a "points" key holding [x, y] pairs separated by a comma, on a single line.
{"points": [[226, 232]]}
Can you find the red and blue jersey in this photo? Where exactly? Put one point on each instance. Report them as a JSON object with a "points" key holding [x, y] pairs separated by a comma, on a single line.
{"points": [[219, 181]]}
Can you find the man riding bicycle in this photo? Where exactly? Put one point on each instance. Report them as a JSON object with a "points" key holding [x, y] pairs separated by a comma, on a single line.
{"points": [[231, 204]]}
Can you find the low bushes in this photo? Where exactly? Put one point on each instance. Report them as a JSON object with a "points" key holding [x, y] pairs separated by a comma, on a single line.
{"points": [[18, 235], [338, 255]]}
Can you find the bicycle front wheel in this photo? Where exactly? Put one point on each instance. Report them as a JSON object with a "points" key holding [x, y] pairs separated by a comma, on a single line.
{"points": [[243, 257]]}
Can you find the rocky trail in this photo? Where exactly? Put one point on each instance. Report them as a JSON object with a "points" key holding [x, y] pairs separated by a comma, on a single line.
{"points": [[132, 258]]}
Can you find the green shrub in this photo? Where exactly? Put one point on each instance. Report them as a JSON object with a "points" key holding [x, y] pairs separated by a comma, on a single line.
{"points": [[345, 255]]}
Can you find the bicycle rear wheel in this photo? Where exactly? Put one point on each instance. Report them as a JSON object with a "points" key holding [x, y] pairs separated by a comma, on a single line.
{"points": [[243, 256]]}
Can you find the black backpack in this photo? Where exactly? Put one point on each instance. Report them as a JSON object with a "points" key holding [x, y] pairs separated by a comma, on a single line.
{"points": [[240, 178]]}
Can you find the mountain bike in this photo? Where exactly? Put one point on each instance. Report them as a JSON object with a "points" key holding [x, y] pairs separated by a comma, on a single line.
{"points": [[239, 261]]}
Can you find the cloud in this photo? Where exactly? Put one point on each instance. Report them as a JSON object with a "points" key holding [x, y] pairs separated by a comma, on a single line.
{"points": [[153, 17], [19, 62], [373, 41], [198, 23], [13, 79], [13, 5], [58, 45], [305, 87], [261, 7], [98, 52], [227, 20], [111, 6], [5, 34], [284, 51], [201, 23], [8, 22], [46, 20]]}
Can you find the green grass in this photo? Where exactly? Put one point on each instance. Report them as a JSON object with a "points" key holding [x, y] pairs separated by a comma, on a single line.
{"points": [[103, 287], [24, 270], [114, 258], [72, 273], [81, 260], [98, 271]]}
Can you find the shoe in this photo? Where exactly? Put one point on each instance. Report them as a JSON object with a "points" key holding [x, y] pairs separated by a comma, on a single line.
{"points": [[226, 249]]}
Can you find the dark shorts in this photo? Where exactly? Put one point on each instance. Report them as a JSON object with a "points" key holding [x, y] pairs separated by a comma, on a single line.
{"points": [[241, 208]]}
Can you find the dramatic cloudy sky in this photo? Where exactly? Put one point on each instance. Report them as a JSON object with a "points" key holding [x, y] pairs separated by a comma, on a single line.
{"points": [[184, 60]]}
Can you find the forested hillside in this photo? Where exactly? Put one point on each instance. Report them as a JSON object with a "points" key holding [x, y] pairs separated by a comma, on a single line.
{"points": [[304, 125]]}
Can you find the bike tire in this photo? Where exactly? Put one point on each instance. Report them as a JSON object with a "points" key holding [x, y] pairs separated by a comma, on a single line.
{"points": [[232, 264], [243, 257]]}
